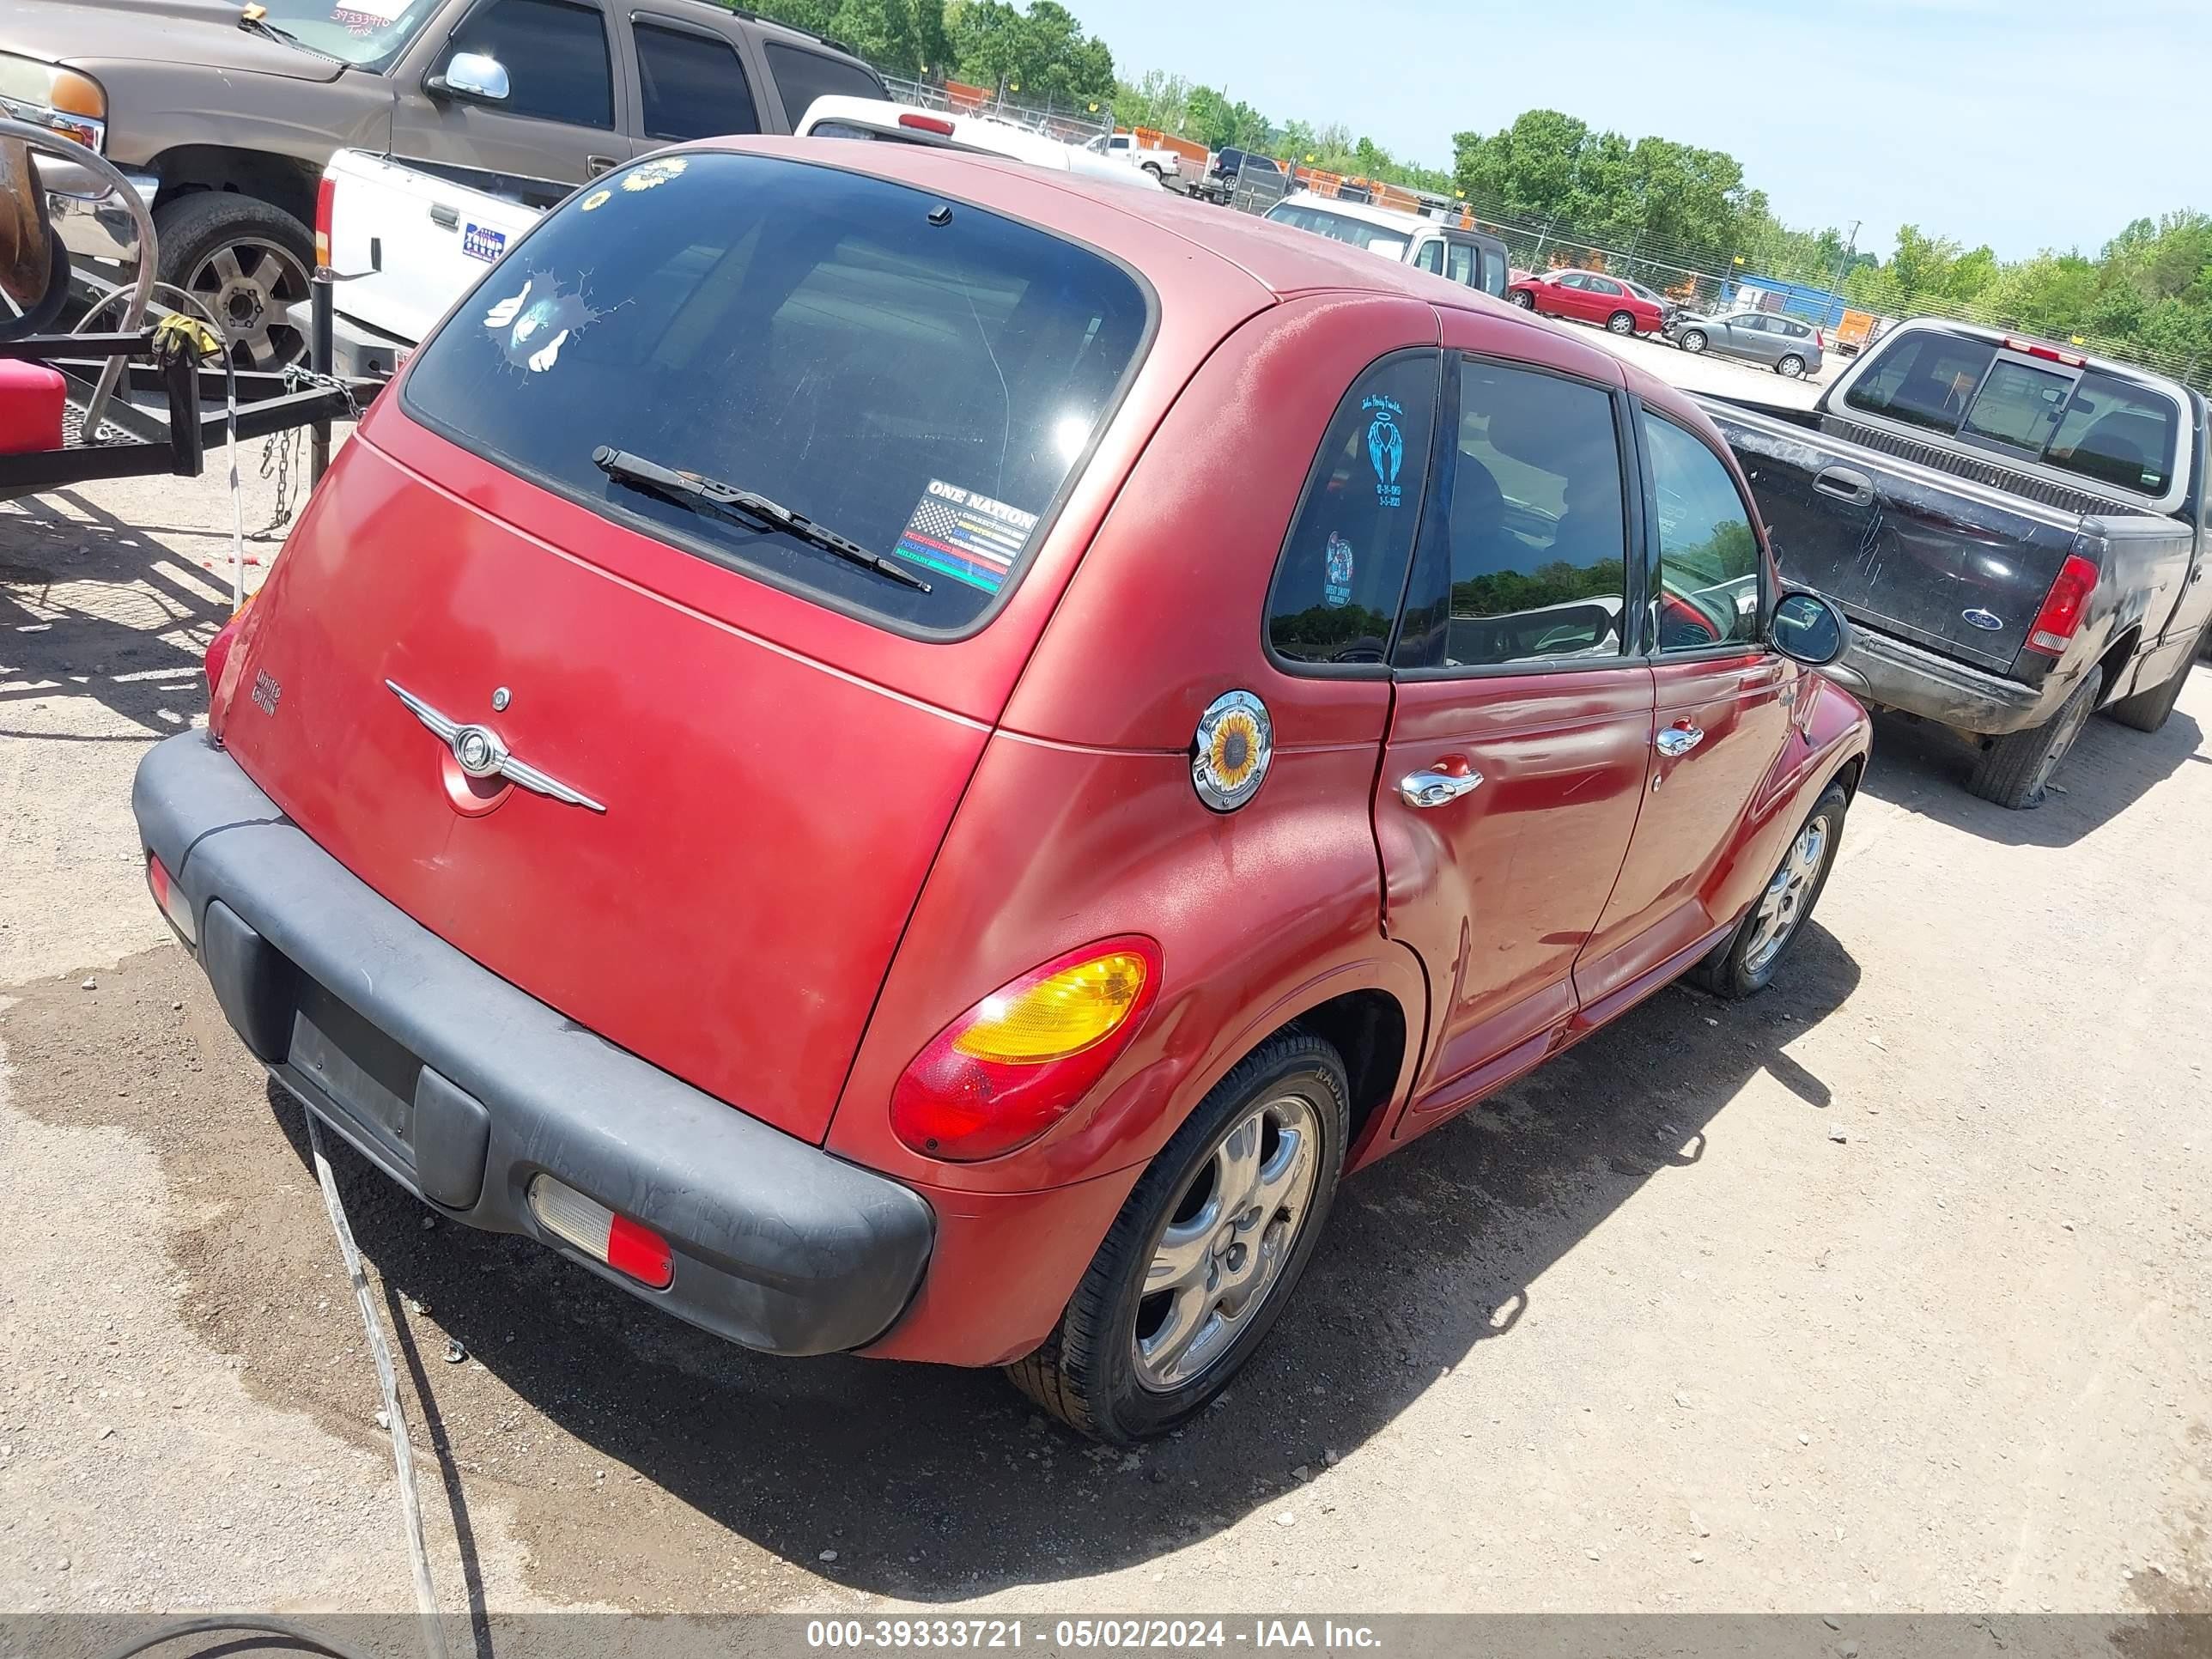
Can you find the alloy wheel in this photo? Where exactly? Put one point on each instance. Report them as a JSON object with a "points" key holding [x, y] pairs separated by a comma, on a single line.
{"points": [[1230, 1234], [1789, 895], [249, 286]]}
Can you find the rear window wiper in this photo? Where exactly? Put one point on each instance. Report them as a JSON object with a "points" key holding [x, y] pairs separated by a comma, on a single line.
{"points": [[702, 493]]}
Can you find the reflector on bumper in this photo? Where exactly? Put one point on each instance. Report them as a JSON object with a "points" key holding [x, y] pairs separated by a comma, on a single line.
{"points": [[627, 1247]]}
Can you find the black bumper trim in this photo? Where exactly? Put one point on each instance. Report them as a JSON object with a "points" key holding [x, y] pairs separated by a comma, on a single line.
{"points": [[778, 1245], [1881, 668]]}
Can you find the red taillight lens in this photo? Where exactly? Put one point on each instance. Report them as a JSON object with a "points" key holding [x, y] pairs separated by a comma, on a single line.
{"points": [[936, 124], [218, 651], [627, 1247], [2049, 354], [174, 905], [2063, 606], [325, 193], [1013, 1064], [1820, 341]]}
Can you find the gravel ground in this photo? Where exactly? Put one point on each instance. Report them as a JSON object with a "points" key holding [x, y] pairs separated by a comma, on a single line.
{"points": [[1887, 1291]]}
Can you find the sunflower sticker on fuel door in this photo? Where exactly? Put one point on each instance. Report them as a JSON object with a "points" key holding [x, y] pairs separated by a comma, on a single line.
{"points": [[1386, 446]]}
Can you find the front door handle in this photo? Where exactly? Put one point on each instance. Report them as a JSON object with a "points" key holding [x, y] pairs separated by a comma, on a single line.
{"points": [[1435, 788], [1675, 740], [596, 165], [1845, 483]]}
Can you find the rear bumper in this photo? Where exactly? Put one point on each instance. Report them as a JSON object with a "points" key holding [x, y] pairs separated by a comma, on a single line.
{"points": [[358, 352], [1883, 669], [461, 1088]]}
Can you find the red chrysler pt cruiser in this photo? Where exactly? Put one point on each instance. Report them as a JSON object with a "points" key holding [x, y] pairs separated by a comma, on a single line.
{"points": [[900, 754]]}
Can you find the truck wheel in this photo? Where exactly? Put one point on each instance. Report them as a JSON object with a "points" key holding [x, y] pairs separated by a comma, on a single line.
{"points": [[1791, 367], [1744, 964], [1153, 168], [2013, 770], [1522, 297], [1204, 1253], [1693, 340], [1621, 323], [2146, 711], [247, 263]]}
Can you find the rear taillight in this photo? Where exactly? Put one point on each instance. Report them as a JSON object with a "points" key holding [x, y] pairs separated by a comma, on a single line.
{"points": [[218, 651], [2049, 354], [325, 193], [1820, 341], [174, 905], [1013, 1064], [629, 1247], [936, 124], [2055, 624]]}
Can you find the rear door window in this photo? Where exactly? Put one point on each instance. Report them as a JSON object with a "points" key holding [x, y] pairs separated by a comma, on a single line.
{"points": [[555, 55], [2118, 433], [1342, 571], [1709, 563], [802, 76], [923, 390], [1525, 559], [693, 85]]}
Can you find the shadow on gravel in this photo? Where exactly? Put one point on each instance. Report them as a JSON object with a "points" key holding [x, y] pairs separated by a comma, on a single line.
{"points": [[87, 611], [933, 1483], [1923, 767]]}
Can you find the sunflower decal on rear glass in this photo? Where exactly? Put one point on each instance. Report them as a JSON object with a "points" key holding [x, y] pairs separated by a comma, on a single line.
{"points": [[530, 327], [646, 175], [1230, 755]]}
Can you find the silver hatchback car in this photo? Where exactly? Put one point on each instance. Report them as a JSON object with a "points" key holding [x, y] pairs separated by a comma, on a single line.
{"points": [[1789, 345]]}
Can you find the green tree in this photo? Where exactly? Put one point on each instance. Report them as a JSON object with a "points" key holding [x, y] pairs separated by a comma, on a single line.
{"points": [[1038, 56]]}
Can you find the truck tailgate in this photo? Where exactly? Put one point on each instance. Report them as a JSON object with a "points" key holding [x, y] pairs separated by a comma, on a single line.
{"points": [[1943, 562], [422, 240]]}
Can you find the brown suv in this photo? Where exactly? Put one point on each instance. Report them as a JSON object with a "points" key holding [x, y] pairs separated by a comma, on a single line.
{"points": [[225, 119]]}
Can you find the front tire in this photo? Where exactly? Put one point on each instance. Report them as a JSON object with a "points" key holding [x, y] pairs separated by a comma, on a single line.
{"points": [[248, 263], [1790, 367], [1204, 1253], [1744, 963], [1620, 323], [1693, 340], [1522, 297], [2015, 769]]}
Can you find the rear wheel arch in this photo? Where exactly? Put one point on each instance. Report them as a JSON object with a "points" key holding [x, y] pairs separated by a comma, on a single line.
{"points": [[2118, 654]]}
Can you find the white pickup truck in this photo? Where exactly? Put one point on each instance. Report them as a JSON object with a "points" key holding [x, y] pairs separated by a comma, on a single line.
{"points": [[1165, 165]]}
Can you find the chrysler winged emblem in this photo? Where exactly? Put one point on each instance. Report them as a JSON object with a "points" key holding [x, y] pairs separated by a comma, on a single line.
{"points": [[480, 754]]}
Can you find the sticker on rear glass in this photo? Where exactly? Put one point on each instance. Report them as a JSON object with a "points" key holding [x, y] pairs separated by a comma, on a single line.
{"points": [[966, 536], [482, 242], [596, 200], [647, 174], [1336, 587], [1386, 447], [530, 327]]}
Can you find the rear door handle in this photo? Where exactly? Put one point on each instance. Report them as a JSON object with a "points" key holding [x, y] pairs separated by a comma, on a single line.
{"points": [[1675, 740], [1436, 788], [1845, 483]]}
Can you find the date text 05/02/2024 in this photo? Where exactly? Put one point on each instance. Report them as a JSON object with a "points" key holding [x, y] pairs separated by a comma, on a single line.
{"points": [[1092, 1635]]}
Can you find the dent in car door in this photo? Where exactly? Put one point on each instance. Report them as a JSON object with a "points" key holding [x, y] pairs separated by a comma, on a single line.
{"points": [[1722, 714], [1521, 729], [568, 112]]}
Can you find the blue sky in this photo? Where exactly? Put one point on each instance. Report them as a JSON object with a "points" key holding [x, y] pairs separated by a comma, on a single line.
{"points": [[2024, 123]]}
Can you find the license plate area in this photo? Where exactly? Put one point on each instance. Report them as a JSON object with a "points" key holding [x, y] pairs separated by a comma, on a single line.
{"points": [[352, 1062]]}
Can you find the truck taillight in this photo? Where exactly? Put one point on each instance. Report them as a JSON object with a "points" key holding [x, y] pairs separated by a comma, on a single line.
{"points": [[325, 193], [2049, 354], [2055, 624], [918, 123], [1012, 1065]]}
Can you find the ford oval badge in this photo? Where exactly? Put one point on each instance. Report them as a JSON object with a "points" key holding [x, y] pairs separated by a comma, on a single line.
{"points": [[1983, 620]]}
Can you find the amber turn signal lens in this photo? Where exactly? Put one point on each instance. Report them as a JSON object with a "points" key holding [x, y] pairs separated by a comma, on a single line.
{"points": [[1061, 1015], [77, 95]]}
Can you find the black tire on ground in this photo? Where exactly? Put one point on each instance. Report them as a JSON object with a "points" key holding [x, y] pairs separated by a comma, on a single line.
{"points": [[196, 229], [1086, 1373], [1791, 367], [1740, 965], [1522, 297], [1621, 323], [1693, 340], [2146, 711], [2013, 770]]}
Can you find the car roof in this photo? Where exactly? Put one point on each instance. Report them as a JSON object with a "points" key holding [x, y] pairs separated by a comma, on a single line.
{"points": [[1394, 218]]}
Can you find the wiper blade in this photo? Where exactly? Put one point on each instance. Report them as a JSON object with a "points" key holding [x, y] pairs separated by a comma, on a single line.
{"points": [[253, 22], [702, 494]]}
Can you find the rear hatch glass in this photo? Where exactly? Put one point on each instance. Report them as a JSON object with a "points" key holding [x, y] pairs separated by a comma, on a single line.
{"points": [[918, 376]]}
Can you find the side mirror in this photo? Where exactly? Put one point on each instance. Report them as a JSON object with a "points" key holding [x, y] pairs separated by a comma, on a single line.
{"points": [[473, 76], [35, 266], [1809, 629]]}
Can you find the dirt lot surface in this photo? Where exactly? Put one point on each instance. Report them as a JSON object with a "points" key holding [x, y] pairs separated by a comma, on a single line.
{"points": [[1888, 1290]]}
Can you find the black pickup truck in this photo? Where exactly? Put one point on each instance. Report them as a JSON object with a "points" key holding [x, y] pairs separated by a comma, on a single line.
{"points": [[2020, 534]]}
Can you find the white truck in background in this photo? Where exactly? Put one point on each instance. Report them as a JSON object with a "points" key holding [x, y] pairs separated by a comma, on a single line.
{"points": [[1165, 165]]}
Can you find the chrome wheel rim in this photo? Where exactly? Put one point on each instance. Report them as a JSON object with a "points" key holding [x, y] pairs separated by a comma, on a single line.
{"points": [[1623, 326], [1227, 1238], [1693, 344], [1524, 302], [1783, 906], [1791, 368], [2075, 717], [248, 287]]}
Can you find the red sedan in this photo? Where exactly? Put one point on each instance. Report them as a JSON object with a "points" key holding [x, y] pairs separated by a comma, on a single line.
{"points": [[892, 756], [1587, 296]]}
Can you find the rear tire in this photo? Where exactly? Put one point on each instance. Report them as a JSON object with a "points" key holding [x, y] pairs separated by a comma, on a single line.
{"points": [[1790, 367], [1745, 963], [2015, 769], [1620, 323], [2146, 711], [1693, 340], [1093, 1373], [1522, 297]]}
